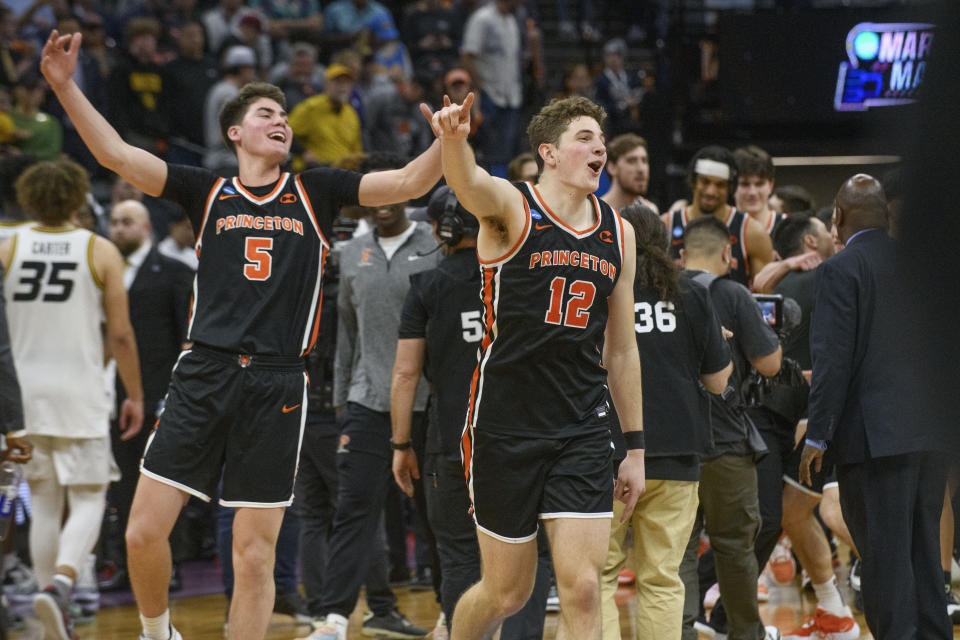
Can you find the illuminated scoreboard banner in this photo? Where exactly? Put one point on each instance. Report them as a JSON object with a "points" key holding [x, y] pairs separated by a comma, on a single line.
{"points": [[887, 62]]}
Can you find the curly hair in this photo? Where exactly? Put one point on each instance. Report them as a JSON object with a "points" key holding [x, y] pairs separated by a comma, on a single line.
{"points": [[654, 267], [548, 125], [53, 191], [236, 107]]}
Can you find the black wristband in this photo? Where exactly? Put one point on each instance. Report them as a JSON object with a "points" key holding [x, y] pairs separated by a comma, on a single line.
{"points": [[401, 446], [634, 439]]}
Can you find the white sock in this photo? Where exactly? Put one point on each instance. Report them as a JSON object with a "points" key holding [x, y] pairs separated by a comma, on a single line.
{"points": [[828, 598], [63, 584], [157, 628]]}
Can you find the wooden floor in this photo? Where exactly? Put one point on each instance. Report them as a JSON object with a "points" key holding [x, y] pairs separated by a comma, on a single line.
{"points": [[202, 618]]}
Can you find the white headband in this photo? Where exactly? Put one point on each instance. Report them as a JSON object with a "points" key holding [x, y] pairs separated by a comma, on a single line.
{"points": [[707, 167]]}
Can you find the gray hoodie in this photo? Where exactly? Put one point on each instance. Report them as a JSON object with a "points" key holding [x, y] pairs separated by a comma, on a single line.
{"points": [[369, 304]]}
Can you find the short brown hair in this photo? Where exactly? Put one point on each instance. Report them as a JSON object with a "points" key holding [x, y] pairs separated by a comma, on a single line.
{"points": [[622, 145], [515, 168], [236, 107], [52, 191], [548, 125], [754, 161]]}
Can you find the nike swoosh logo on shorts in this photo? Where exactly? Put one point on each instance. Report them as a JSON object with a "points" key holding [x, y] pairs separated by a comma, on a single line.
{"points": [[287, 409]]}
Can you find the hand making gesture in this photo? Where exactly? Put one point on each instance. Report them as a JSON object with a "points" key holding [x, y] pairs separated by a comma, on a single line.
{"points": [[453, 120], [59, 57]]}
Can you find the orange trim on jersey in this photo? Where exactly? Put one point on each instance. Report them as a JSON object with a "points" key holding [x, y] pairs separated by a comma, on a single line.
{"points": [[282, 180], [733, 211], [466, 450], [559, 221], [316, 317], [520, 241], [488, 317], [684, 216], [772, 219], [313, 215], [207, 206], [743, 240]]}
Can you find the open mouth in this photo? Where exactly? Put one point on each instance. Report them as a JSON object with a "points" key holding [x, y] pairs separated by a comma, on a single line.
{"points": [[278, 136], [596, 166]]}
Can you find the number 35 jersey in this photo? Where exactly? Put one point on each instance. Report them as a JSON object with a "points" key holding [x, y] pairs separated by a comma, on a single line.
{"points": [[261, 255], [55, 309], [539, 372]]}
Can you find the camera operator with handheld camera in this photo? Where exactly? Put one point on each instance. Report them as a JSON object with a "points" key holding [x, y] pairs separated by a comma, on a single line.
{"points": [[728, 484]]}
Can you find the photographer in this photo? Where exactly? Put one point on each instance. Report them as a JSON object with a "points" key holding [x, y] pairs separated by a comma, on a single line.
{"points": [[683, 352], [728, 481]]}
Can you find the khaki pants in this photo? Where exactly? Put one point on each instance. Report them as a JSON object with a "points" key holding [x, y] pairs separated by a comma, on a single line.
{"points": [[661, 521]]}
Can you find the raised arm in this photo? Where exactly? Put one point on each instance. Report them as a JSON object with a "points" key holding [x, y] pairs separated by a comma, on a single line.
{"points": [[138, 167], [108, 265], [485, 196], [399, 185]]}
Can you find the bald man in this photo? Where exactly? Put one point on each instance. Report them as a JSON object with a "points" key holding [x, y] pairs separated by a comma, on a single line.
{"points": [[158, 288], [890, 470]]}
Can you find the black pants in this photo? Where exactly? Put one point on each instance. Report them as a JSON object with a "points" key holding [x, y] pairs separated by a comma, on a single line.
{"points": [[892, 507], [445, 489], [356, 551]]}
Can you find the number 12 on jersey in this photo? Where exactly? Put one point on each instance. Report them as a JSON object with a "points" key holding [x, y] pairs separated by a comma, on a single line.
{"points": [[579, 298]]}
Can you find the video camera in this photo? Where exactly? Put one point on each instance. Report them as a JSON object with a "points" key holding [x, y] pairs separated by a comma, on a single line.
{"points": [[785, 393], [771, 306]]}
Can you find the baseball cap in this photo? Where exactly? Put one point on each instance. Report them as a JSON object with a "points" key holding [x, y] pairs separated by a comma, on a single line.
{"points": [[239, 56], [337, 70]]}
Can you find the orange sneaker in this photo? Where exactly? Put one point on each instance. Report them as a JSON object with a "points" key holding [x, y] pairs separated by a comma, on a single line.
{"points": [[626, 576], [781, 568], [826, 626]]}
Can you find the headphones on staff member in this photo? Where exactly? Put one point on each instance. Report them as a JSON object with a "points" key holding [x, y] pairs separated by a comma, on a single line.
{"points": [[451, 226]]}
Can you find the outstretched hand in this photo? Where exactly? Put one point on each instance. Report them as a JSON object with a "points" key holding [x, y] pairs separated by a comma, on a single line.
{"points": [[59, 57], [453, 120]]}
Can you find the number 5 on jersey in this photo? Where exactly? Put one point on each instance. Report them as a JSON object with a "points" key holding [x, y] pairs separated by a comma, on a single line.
{"points": [[259, 261], [576, 314]]}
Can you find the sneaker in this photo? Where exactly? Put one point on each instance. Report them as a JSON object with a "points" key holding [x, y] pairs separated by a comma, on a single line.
{"points": [[333, 627], [854, 577], [391, 625], [18, 581], [953, 608], [52, 610], [772, 633], [423, 580], [174, 634], [763, 593], [826, 626], [553, 600], [711, 596], [291, 604], [780, 567], [704, 629], [86, 594], [626, 577], [440, 632]]}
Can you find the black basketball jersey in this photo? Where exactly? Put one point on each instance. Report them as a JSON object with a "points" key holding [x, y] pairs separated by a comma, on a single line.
{"points": [[258, 284], [545, 311], [443, 308], [737, 224], [775, 220]]}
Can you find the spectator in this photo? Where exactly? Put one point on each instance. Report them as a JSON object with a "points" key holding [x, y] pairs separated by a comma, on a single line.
{"points": [[523, 168], [136, 88], [628, 164], [218, 20], [577, 81], [188, 79], [432, 31], [180, 241], [290, 20], [394, 123], [239, 67], [617, 89], [46, 135], [326, 125], [568, 29], [458, 83], [348, 21], [248, 27], [13, 55], [300, 77], [492, 56]]}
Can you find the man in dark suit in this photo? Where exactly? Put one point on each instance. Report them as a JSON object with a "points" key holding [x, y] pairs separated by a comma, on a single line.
{"points": [[159, 292], [891, 474]]}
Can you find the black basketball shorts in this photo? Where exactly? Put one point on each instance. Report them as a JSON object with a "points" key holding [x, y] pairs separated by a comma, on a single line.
{"points": [[239, 416], [514, 481], [826, 475]]}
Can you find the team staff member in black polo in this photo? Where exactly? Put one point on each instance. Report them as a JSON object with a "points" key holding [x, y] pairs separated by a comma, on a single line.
{"points": [[681, 347], [440, 331], [728, 481], [236, 400]]}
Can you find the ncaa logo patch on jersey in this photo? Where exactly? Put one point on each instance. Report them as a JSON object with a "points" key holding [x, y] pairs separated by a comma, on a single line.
{"points": [[536, 215], [230, 190], [677, 232]]}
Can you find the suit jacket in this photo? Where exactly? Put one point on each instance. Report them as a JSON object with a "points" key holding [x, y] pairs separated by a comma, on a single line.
{"points": [[863, 372], [159, 308]]}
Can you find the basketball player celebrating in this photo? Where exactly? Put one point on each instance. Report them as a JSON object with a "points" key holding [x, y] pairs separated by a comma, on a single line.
{"points": [[237, 399], [557, 282]]}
